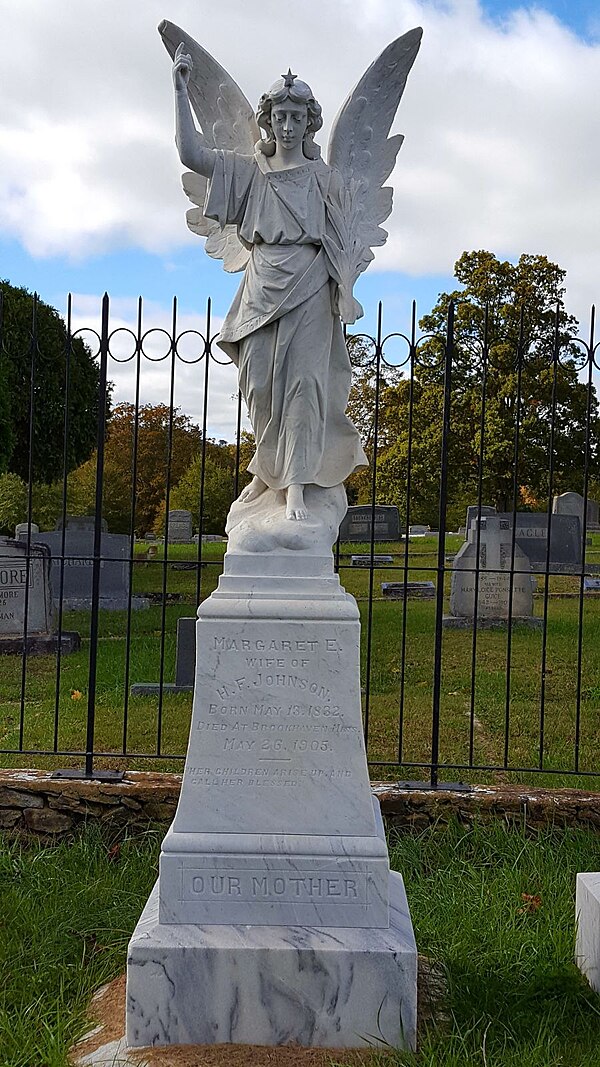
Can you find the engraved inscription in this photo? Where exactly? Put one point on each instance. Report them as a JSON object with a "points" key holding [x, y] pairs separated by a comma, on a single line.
{"points": [[298, 887], [255, 732]]}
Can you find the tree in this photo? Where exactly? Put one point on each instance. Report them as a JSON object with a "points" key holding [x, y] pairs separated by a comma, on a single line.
{"points": [[510, 320], [154, 429], [42, 332]]}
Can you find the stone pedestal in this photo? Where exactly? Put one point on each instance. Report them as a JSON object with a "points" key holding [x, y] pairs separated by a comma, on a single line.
{"points": [[273, 985], [276, 843]]}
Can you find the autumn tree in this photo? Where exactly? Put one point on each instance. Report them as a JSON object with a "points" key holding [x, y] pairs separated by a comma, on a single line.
{"points": [[34, 328], [513, 352], [163, 444]]}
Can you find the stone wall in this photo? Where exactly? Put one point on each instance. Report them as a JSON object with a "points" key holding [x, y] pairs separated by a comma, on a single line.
{"points": [[33, 802]]}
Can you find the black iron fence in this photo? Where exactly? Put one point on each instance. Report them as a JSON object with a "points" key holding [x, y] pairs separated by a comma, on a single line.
{"points": [[481, 630]]}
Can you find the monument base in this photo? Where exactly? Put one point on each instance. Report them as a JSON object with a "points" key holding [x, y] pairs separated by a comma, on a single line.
{"points": [[40, 644], [152, 689], [465, 622], [273, 985]]}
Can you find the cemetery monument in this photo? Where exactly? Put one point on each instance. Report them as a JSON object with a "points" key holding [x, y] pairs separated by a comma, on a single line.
{"points": [[26, 616], [72, 552], [483, 572], [276, 918]]}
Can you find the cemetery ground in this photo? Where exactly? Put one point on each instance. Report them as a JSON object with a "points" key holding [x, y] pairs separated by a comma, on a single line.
{"points": [[475, 726], [493, 907]]}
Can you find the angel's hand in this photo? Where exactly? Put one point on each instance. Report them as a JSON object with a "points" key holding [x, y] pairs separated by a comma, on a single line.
{"points": [[182, 68], [347, 307]]}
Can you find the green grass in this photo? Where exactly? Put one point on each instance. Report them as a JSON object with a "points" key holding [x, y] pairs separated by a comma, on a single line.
{"points": [[473, 710], [515, 998]]}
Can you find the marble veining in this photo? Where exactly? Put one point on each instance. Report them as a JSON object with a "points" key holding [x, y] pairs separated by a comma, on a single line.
{"points": [[339, 988]]}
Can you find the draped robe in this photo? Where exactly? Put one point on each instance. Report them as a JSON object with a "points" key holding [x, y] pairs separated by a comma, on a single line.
{"points": [[282, 331]]}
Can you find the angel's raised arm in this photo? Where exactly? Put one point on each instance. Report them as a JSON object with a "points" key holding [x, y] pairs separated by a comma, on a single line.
{"points": [[193, 153], [225, 117]]}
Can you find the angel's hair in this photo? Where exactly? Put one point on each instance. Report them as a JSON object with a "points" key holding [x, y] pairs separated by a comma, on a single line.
{"points": [[299, 93]]}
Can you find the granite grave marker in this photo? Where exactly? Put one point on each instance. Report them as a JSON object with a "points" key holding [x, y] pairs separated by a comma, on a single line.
{"points": [[356, 524], [179, 527], [77, 571]]}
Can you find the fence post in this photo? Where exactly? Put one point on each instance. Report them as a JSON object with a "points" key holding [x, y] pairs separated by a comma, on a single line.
{"points": [[441, 554], [378, 354], [94, 618]]}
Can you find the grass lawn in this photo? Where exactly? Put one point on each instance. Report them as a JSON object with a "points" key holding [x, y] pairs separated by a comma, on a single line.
{"points": [[515, 997], [475, 713]]}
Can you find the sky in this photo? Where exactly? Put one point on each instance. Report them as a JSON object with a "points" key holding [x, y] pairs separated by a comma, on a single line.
{"points": [[501, 151]]}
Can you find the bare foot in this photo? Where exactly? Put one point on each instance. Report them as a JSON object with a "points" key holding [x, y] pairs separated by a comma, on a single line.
{"points": [[252, 491], [295, 508]]}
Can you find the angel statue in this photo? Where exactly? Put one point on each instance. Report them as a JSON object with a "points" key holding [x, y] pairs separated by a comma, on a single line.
{"points": [[302, 231]]}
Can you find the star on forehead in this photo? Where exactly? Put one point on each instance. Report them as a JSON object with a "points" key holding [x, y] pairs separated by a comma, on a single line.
{"points": [[288, 79]]}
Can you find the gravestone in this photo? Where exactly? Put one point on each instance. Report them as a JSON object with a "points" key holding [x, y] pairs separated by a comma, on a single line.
{"points": [[572, 504], [21, 530], [356, 524], [412, 590], [185, 661], [179, 527], [378, 561], [532, 539], [419, 530], [81, 522], [591, 585], [78, 568], [26, 602], [587, 922], [473, 513], [492, 606], [276, 919]]}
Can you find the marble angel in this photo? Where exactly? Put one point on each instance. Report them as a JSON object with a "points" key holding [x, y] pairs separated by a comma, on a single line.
{"points": [[302, 231]]}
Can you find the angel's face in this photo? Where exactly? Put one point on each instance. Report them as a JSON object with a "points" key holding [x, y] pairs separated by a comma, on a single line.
{"points": [[289, 122]]}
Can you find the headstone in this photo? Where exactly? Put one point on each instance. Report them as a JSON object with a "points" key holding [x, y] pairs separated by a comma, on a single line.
{"points": [[276, 919], [532, 538], [378, 560], [473, 513], [492, 606], [21, 530], [26, 601], [77, 571], [572, 504], [185, 661], [419, 530], [81, 522], [591, 585], [179, 527], [357, 523], [587, 923], [412, 590]]}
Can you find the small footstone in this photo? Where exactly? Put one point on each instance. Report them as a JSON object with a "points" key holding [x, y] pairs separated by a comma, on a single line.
{"points": [[587, 912]]}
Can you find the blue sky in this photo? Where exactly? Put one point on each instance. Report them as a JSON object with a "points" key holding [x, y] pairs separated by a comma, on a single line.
{"points": [[501, 150]]}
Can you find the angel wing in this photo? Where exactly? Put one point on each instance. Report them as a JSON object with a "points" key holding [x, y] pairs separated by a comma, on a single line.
{"points": [[363, 153], [226, 120]]}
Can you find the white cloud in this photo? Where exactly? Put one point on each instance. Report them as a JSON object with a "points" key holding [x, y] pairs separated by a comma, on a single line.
{"points": [[500, 119]]}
